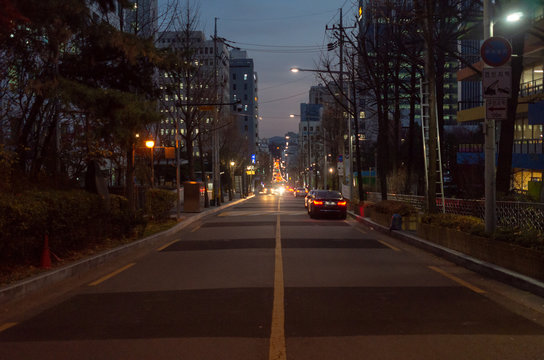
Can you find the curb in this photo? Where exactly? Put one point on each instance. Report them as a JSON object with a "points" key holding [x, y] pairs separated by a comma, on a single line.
{"points": [[23, 287], [494, 271]]}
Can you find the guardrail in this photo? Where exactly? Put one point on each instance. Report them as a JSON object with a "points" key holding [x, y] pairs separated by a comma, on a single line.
{"points": [[509, 213]]}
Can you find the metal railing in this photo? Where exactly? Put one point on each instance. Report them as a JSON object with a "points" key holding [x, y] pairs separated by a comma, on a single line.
{"points": [[509, 213]]}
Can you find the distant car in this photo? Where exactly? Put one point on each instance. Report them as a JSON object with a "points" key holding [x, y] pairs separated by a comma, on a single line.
{"points": [[307, 197], [327, 202], [300, 191], [277, 189]]}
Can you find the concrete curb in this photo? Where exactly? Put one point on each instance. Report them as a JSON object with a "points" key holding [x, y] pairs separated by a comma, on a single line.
{"points": [[496, 272], [23, 287]]}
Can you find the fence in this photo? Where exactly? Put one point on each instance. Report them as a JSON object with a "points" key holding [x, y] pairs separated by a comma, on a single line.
{"points": [[509, 213]]}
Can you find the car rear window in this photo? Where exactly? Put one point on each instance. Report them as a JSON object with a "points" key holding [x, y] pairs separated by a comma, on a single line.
{"points": [[327, 194]]}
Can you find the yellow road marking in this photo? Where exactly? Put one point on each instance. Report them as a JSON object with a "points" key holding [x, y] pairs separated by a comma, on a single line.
{"points": [[277, 349], [197, 227], [167, 245], [458, 280], [104, 278], [361, 230], [7, 326], [394, 248]]}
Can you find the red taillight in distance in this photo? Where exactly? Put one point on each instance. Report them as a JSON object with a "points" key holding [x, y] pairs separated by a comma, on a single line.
{"points": [[317, 202], [342, 203]]}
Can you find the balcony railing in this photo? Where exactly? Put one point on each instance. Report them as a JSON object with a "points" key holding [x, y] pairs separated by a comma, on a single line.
{"points": [[531, 88], [531, 146]]}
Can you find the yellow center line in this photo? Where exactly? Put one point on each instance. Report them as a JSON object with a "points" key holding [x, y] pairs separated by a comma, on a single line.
{"points": [[277, 332], [7, 326], [458, 280], [104, 278]]}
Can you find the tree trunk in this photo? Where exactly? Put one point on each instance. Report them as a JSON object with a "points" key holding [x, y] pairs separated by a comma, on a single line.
{"points": [[506, 140], [411, 131]]}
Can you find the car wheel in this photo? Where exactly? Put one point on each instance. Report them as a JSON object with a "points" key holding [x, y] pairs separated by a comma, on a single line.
{"points": [[343, 216], [311, 212]]}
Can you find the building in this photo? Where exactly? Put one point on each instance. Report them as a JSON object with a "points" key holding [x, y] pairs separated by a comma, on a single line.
{"points": [[141, 18], [310, 132], [195, 89], [243, 89], [528, 149]]}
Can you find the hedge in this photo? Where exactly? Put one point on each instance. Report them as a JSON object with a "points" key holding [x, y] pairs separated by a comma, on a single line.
{"points": [[390, 207], [72, 220], [159, 203]]}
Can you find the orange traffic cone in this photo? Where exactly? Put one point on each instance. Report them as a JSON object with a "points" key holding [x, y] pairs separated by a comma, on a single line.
{"points": [[46, 256]]}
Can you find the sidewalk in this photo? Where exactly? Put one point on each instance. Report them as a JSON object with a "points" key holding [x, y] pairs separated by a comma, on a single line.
{"points": [[23, 287], [496, 272]]}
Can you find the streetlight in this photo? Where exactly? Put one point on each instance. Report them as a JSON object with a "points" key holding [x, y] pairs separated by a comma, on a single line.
{"points": [[151, 145], [309, 140], [232, 163], [489, 125], [350, 140]]}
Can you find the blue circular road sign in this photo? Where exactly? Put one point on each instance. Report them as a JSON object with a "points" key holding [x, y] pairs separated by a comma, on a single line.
{"points": [[496, 51]]}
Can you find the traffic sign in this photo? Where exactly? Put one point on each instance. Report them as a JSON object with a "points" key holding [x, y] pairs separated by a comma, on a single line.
{"points": [[497, 82], [496, 51], [496, 109]]}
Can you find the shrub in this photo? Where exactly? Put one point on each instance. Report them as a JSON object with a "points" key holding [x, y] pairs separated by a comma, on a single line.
{"points": [[468, 224], [159, 203], [122, 222], [73, 220], [390, 207]]}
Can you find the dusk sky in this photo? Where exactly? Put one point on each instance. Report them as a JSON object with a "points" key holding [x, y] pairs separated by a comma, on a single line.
{"points": [[278, 35]]}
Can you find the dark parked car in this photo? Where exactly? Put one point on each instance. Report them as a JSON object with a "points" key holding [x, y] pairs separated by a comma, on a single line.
{"points": [[327, 202]]}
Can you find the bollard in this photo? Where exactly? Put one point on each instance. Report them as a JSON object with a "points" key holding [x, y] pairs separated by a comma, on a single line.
{"points": [[46, 257], [396, 222]]}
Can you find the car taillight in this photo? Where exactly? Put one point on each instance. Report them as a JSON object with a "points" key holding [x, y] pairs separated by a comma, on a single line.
{"points": [[342, 203], [317, 202]]}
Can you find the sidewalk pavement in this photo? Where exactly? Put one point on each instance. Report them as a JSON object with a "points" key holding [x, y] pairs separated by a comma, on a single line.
{"points": [[493, 271], [23, 287]]}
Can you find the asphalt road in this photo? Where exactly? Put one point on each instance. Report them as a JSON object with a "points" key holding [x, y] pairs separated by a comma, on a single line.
{"points": [[261, 280]]}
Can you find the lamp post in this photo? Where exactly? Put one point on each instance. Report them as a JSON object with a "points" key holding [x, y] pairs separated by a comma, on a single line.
{"points": [[490, 127], [232, 163], [151, 145], [309, 144], [350, 160]]}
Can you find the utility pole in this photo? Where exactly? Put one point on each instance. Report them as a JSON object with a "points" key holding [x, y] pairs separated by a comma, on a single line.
{"points": [[340, 27], [431, 80], [215, 135], [489, 144]]}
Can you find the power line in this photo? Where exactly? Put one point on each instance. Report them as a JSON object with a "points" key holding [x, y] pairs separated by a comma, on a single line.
{"points": [[278, 46], [285, 83], [278, 18], [284, 98]]}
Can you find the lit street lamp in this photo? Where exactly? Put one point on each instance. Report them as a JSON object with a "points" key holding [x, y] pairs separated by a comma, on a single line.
{"points": [[490, 128], [309, 145], [350, 140], [151, 145], [232, 163]]}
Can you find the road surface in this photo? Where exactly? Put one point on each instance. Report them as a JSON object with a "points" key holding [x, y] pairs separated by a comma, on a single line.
{"points": [[261, 280]]}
